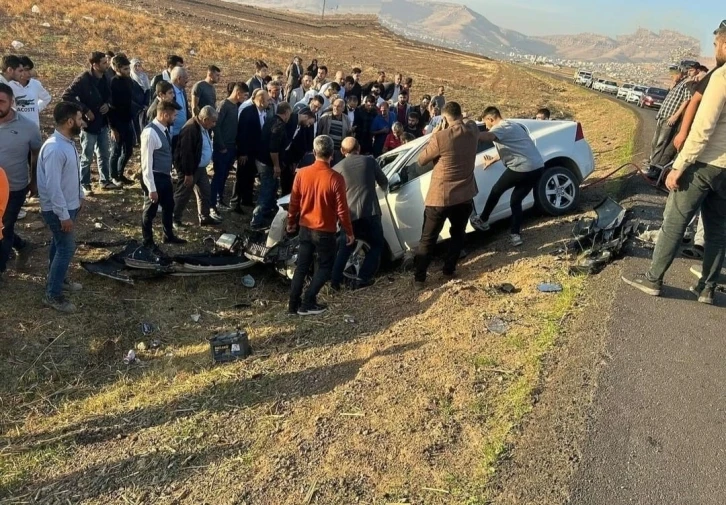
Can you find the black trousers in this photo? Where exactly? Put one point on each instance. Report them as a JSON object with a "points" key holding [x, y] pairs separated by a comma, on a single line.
{"points": [[662, 149], [244, 184], [523, 183], [165, 190], [122, 149], [434, 220], [312, 242]]}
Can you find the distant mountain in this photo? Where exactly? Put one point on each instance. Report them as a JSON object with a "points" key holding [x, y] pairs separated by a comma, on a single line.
{"points": [[456, 26]]}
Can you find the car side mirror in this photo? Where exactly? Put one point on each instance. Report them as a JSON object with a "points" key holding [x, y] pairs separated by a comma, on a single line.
{"points": [[394, 182]]}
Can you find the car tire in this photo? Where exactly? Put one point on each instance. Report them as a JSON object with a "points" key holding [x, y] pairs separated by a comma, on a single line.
{"points": [[352, 268], [558, 191]]}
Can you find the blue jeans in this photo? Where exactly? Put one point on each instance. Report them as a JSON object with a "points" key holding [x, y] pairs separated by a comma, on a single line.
{"points": [[98, 143], [9, 238], [266, 201], [222, 165], [62, 248], [370, 230]]}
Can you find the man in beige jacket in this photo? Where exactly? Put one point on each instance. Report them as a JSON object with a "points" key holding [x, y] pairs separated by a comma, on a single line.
{"points": [[452, 149], [697, 180]]}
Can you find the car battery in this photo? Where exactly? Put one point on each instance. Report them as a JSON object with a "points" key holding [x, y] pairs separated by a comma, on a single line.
{"points": [[231, 346]]}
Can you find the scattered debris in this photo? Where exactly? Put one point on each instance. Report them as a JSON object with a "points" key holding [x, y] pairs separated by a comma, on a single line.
{"points": [[650, 236], [248, 281], [147, 328], [549, 287], [16, 44], [196, 317], [498, 326], [35, 225], [156, 343], [130, 358], [45, 25], [192, 52], [89, 19], [507, 288], [141, 346], [231, 346], [349, 319], [35, 9], [98, 226]]}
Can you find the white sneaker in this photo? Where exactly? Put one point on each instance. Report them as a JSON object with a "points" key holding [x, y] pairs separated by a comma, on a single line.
{"points": [[22, 214], [215, 215], [516, 240], [118, 183], [72, 287], [478, 224]]}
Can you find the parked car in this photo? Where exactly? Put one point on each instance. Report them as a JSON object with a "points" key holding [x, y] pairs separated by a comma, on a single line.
{"points": [[583, 78], [624, 90], [609, 87], [652, 98], [635, 94], [568, 161]]}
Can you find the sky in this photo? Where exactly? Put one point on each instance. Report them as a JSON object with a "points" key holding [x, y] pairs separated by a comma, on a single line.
{"points": [[607, 17]]}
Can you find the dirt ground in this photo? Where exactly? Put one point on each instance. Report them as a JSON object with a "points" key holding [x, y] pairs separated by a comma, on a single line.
{"points": [[415, 402]]}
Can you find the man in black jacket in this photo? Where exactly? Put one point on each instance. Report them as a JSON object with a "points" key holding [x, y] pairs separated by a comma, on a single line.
{"points": [[364, 116], [249, 132], [361, 174], [90, 90], [172, 61], [119, 117], [300, 130], [192, 156]]}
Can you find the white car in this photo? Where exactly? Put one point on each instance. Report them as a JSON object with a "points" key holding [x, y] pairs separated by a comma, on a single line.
{"points": [[610, 87], [624, 90], [635, 94], [583, 78], [568, 161]]}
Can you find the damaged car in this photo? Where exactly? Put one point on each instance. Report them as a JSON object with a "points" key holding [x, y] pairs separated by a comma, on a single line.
{"points": [[568, 161]]}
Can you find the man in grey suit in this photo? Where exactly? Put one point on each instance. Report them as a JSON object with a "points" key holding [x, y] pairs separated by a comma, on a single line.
{"points": [[361, 174]]}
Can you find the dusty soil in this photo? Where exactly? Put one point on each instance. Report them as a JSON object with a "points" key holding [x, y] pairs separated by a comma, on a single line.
{"points": [[415, 402]]}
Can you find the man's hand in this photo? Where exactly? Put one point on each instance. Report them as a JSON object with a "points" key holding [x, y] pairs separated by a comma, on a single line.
{"points": [[291, 228], [276, 171], [188, 181], [680, 140], [672, 120], [154, 197], [67, 225], [90, 115], [242, 160], [349, 240], [489, 161], [114, 135], [33, 188], [672, 179], [103, 109]]}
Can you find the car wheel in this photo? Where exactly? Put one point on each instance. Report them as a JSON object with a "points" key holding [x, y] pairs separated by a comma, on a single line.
{"points": [[357, 257], [558, 191]]}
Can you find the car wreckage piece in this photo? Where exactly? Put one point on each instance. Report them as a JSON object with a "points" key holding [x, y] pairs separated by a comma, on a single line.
{"points": [[135, 262], [602, 239]]}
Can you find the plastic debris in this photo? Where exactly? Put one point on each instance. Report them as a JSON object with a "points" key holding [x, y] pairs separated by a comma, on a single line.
{"points": [[89, 19], [650, 236], [507, 288], [16, 44], [196, 317], [130, 358], [349, 319], [497, 326], [147, 328], [549, 287], [98, 226], [141, 346], [192, 52], [35, 9], [156, 343], [45, 25], [248, 281]]}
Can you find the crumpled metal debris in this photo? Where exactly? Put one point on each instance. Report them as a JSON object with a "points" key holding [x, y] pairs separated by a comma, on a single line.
{"points": [[497, 326], [549, 287]]}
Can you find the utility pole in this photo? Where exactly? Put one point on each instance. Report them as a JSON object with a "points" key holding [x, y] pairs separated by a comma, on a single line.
{"points": [[322, 16]]}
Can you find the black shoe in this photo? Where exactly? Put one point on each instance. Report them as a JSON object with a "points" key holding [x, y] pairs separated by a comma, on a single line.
{"points": [[208, 221], [174, 240], [312, 310], [641, 282], [125, 180]]}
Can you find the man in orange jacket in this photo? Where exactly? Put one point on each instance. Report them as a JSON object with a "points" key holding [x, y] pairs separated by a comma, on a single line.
{"points": [[317, 203], [4, 195]]}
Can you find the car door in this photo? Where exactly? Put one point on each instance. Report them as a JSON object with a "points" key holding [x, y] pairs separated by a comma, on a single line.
{"points": [[406, 200]]}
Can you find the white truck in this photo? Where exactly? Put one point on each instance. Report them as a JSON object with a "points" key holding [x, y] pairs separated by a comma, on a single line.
{"points": [[583, 78]]}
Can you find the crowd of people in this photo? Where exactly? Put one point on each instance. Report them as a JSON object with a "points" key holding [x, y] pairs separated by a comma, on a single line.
{"points": [[266, 130]]}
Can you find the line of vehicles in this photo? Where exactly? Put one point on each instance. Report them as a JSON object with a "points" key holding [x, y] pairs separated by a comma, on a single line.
{"points": [[649, 97]]}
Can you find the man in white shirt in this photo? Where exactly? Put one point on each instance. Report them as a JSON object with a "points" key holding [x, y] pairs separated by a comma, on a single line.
{"points": [[30, 95], [156, 162]]}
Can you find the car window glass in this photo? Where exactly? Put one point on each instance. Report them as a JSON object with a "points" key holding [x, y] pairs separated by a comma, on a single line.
{"points": [[412, 170], [386, 162]]}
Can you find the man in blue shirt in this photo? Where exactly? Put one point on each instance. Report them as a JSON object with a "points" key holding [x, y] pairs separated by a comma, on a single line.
{"points": [[192, 156], [179, 79], [61, 199]]}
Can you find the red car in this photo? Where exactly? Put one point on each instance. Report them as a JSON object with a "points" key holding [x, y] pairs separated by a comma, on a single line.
{"points": [[652, 98]]}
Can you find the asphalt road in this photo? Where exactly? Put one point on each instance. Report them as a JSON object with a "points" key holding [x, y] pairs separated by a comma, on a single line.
{"points": [[657, 430]]}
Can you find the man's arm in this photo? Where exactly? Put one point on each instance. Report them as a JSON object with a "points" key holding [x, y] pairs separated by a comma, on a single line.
{"points": [[293, 210], [53, 167], [185, 158], [341, 199], [677, 114], [76, 93], [221, 116], [487, 137], [195, 99], [430, 152], [381, 178], [44, 97], [688, 116], [704, 123], [149, 143]]}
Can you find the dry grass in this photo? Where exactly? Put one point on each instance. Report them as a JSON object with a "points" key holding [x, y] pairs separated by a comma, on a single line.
{"points": [[416, 400]]}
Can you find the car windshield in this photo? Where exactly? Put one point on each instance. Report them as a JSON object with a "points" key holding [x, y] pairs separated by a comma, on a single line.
{"points": [[660, 93], [627, 86], [640, 88], [611, 83], [386, 161]]}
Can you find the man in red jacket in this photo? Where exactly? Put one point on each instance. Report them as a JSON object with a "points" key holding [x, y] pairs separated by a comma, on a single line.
{"points": [[317, 203]]}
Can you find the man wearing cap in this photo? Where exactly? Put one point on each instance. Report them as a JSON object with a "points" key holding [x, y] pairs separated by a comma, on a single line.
{"points": [[698, 180]]}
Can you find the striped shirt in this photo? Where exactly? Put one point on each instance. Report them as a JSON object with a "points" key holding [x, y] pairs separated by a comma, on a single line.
{"points": [[336, 132], [678, 94]]}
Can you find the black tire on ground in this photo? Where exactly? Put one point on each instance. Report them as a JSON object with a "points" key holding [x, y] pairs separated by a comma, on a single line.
{"points": [[557, 191]]}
